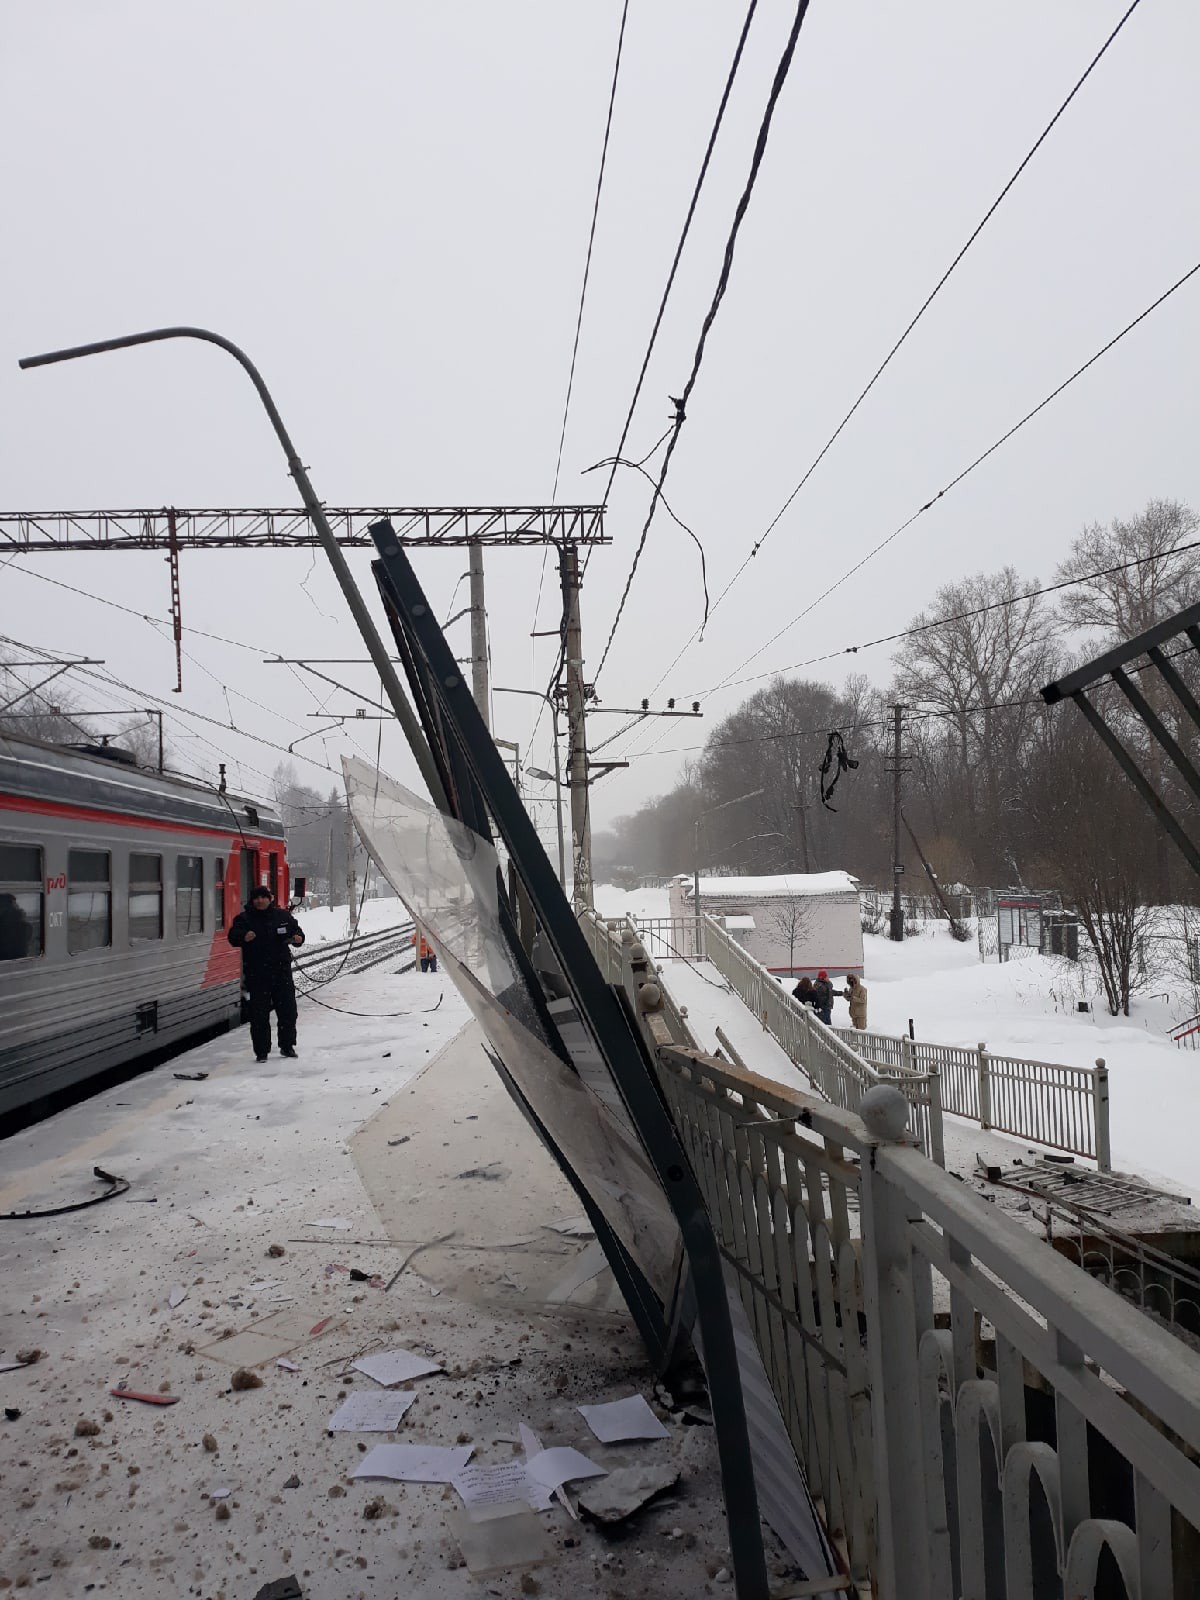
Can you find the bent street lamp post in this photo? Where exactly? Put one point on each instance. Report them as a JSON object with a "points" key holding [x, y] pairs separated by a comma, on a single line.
{"points": [[358, 609]]}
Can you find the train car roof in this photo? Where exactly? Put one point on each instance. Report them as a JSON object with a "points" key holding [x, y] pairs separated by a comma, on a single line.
{"points": [[34, 770]]}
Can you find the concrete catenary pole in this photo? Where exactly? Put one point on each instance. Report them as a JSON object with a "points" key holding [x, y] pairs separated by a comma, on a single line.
{"points": [[479, 648], [577, 762], [897, 927], [351, 876]]}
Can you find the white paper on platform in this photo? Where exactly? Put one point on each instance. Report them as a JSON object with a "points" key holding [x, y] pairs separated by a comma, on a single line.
{"points": [[561, 1464], [373, 1412], [331, 1222], [494, 1486], [177, 1296], [631, 1418], [389, 1367], [415, 1463]]}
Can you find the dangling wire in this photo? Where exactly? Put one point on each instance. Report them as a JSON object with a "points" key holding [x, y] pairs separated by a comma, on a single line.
{"points": [[837, 759]]}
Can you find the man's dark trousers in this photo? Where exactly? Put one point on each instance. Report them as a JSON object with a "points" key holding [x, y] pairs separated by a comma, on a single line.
{"points": [[277, 992]]}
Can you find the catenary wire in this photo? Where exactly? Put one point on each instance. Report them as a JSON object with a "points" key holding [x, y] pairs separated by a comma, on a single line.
{"points": [[925, 305], [760, 146], [587, 264]]}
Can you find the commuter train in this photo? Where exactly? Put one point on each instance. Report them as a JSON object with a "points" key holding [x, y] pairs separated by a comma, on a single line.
{"points": [[117, 886]]}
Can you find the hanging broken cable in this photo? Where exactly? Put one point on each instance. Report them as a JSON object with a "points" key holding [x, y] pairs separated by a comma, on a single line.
{"points": [[837, 759]]}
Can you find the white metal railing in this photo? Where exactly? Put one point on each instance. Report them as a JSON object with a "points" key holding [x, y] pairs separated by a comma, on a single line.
{"points": [[977, 1417], [834, 1070], [1064, 1108]]}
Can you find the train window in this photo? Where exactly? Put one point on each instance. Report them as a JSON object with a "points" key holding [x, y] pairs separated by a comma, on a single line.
{"points": [[145, 898], [20, 901], [189, 895], [219, 893], [89, 900]]}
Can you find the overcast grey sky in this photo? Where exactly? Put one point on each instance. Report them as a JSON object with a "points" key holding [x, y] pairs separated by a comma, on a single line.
{"points": [[387, 205]]}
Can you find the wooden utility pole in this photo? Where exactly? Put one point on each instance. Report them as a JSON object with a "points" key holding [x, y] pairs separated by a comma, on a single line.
{"points": [[577, 761], [897, 924], [479, 648]]}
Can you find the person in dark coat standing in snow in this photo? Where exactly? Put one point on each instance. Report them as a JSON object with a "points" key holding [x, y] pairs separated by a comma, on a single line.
{"points": [[804, 992], [822, 1000], [265, 933]]}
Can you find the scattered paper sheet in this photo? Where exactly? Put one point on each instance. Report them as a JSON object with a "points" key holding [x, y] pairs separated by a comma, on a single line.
{"points": [[389, 1367], [12, 1366], [288, 1366], [561, 1464], [631, 1418], [415, 1463], [539, 1497], [331, 1222], [494, 1486], [221, 1493], [176, 1297], [374, 1412]]}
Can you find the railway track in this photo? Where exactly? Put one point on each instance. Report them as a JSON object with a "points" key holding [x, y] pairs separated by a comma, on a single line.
{"points": [[355, 954]]}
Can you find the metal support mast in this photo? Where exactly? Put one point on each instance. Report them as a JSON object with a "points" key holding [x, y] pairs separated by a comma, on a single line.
{"points": [[176, 605], [897, 923], [351, 877], [577, 761], [479, 649]]}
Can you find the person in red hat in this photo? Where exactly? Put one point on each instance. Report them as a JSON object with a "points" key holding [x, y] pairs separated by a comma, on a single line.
{"points": [[822, 1000]]}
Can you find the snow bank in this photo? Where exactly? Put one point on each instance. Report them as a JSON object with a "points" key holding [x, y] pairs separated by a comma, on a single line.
{"points": [[1027, 1008], [324, 923]]}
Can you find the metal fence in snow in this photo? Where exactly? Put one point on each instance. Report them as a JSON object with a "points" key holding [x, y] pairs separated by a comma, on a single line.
{"points": [[1064, 1108]]}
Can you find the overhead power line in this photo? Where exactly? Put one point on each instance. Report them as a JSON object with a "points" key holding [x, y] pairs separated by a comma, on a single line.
{"points": [[968, 469], [922, 309], [681, 404], [966, 616]]}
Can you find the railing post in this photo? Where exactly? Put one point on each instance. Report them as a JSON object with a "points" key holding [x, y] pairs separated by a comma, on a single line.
{"points": [[890, 1307], [907, 1053], [1100, 1099], [985, 1087], [937, 1146]]}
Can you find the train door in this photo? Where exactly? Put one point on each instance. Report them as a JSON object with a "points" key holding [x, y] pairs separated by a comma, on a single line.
{"points": [[249, 860], [273, 875]]}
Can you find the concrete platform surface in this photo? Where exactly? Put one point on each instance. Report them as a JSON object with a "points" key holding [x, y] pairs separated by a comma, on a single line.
{"points": [[229, 1489]]}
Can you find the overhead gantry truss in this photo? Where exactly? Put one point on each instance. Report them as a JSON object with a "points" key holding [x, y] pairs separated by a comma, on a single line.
{"points": [[37, 532]]}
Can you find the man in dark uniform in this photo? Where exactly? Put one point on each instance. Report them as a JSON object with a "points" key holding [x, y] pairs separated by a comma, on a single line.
{"points": [[265, 932]]}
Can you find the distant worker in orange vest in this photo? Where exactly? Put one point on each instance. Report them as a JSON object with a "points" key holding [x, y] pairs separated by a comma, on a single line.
{"points": [[426, 954]]}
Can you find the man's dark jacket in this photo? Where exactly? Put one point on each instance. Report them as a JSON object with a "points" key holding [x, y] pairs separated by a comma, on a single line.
{"points": [[268, 956]]}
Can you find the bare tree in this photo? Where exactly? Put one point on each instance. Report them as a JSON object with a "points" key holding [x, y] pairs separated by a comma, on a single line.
{"points": [[1123, 603], [984, 648], [34, 713], [790, 922], [1093, 843]]}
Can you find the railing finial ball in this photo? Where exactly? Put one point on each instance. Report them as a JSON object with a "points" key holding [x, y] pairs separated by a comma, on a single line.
{"points": [[885, 1112]]}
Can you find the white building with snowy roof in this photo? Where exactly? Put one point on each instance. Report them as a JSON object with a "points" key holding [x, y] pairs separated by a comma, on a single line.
{"points": [[796, 923]]}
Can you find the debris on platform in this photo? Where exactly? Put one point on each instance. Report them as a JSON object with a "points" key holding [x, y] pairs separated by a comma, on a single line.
{"points": [[281, 1589], [626, 1490], [243, 1378], [146, 1399], [498, 1543]]}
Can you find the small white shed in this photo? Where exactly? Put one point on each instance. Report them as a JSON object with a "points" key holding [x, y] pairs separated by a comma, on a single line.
{"points": [[796, 924]]}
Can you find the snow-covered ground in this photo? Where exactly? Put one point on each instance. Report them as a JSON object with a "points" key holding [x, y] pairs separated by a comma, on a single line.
{"points": [[324, 923], [613, 902]]}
